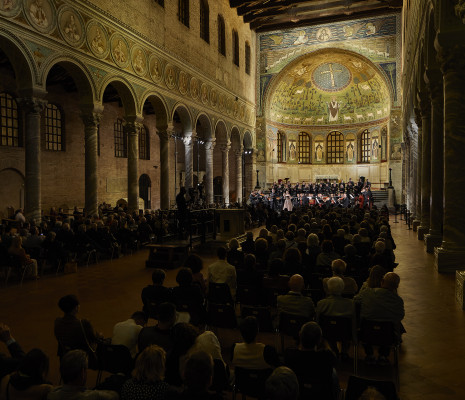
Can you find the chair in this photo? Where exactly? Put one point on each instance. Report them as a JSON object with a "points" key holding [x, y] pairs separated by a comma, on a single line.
{"points": [[219, 293], [263, 315], [272, 293], [357, 385], [18, 266], [338, 329], [290, 324], [222, 316], [250, 382], [114, 359], [381, 333], [247, 295]]}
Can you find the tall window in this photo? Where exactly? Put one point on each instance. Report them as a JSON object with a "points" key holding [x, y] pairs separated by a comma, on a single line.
{"points": [[9, 124], [183, 12], [304, 148], [121, 140], [221, 36], [235, 46], [160, 2], [365, 146], [247, 58], [281, 147], [53, 128], [144, 144], [335, 148], [204, 21]]}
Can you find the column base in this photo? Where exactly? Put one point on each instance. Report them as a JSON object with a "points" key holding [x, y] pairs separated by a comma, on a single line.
{"points": [[422, 231], [415, 224], [432, 241], [446, 260]]}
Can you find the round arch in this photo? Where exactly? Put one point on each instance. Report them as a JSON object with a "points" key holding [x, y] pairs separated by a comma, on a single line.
{"points": [[221, 133], [125, 91], [185, 117], [203, 120], [160, 108], [247, 140]]}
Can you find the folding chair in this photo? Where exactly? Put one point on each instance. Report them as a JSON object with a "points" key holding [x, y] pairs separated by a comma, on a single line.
{"points": [[290, 324], [219, 293], [247, 295], [263, 315], [222, 316], [250, 382]]}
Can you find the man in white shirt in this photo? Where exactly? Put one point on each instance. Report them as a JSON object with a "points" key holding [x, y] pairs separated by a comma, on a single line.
{"points": [[127, 332], [223, 272]]}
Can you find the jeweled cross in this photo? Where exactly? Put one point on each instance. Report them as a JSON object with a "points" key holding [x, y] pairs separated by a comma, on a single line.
{"points": [[331, 72]]}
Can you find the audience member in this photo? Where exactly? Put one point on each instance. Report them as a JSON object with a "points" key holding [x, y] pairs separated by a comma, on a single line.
{"points": [[155, 294], [9, 364], [235, 256], [350, 286], [282, 384], [195, 264], [223, 272], [126, 333], [24, 260], [294, 302]]}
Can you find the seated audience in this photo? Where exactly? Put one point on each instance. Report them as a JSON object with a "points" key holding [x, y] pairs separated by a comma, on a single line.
{"points": [[250, 354], [17, 251], [126, 333], [155, 294], [29, 381], [195, 264], [249, 245], [374, 279], [235, 256], [292, 261], [147, 382], [73, 370], [162, 333], [9, 364], [282, 384], [326, 257], [350, 286], [294, 302], [223, 272]]}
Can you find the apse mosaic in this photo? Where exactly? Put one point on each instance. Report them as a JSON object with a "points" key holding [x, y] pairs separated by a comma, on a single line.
{"points": [[329, 88]]}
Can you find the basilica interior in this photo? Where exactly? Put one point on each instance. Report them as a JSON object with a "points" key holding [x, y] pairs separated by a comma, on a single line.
{"points": [[126, 101]]}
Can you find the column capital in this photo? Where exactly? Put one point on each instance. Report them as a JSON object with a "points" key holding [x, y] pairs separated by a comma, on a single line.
{"points": [[451, 58], [164, 134], [225, 147], [34, 105], [239, 152], [188, 140], [210, 144], [91, 119]]}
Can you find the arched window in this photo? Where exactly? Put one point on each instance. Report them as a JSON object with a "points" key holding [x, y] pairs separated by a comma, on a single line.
{"points": [[53, 128], [335, 145], [281, 147], [304, 148], [121, 139], [204, 21], [183, 12], [365, 146], [235, 46], [221, 36], [9, 124], [247, 58], [144, 144]]}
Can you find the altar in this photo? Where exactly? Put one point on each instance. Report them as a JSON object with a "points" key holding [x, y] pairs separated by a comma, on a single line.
{"points": [[230, 223]]}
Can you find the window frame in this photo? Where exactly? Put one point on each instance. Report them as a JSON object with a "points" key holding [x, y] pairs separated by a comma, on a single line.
{"points": [[59, 136], [144, 143], [304, 149], [183, 12], [13, 122], [205, 21], [221, 35], [281, 147], [247, 57], [335, 148], [365, 147], [120, 137], [235, 48]]}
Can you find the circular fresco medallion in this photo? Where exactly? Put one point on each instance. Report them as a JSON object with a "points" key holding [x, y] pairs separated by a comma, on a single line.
{"points": [[323, 34], [40, 14], [170, 76], [331, 77], [195, 87], [139, 60], [156, 69], [204, 93], [9, 8], [183, 83], [119, 50], [71, 26], [97, 39]]}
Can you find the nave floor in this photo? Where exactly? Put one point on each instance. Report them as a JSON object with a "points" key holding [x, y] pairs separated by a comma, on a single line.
{"points": [[431, 356]]}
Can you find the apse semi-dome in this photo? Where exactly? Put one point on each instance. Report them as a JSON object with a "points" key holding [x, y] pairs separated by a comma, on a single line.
{"points": [[330, 87]]}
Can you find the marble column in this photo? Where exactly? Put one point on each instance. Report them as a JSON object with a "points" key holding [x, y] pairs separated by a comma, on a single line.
{"points": [[434, 236], [418, 168], [91, 121], [209, 146], [238, 154], [225, 150], [132, 128], [189, 161], [32, 107], [425, 166], [165, 197], [451, 255]]}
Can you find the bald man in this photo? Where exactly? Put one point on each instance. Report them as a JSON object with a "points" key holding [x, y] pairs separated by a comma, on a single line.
{"points": [[294, 302]]}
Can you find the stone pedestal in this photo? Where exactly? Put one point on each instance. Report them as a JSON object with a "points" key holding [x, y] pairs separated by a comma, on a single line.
{"points": [[432, 241], [459, 288], [231, 223], [449, 260], [422, 231], [415, 224]]}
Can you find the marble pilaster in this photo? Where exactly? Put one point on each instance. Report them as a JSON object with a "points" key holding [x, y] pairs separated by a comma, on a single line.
{"points": [[425, 165], [164, 169], [189, 161], [225, 151], [132, 128], [209, 146], [33, 107], [91, 121], [417, 220], [238, 154], [434, 237], [451, 255]]}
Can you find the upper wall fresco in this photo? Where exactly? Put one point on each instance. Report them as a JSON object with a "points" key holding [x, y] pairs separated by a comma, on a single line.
{"points": [[377, 39]]}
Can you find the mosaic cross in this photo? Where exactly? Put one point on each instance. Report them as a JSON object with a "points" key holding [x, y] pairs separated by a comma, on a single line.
{"points": [[331, 72]]}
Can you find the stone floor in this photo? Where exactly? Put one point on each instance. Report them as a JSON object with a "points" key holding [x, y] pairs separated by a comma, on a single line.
{"points": [[432, 351]]}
